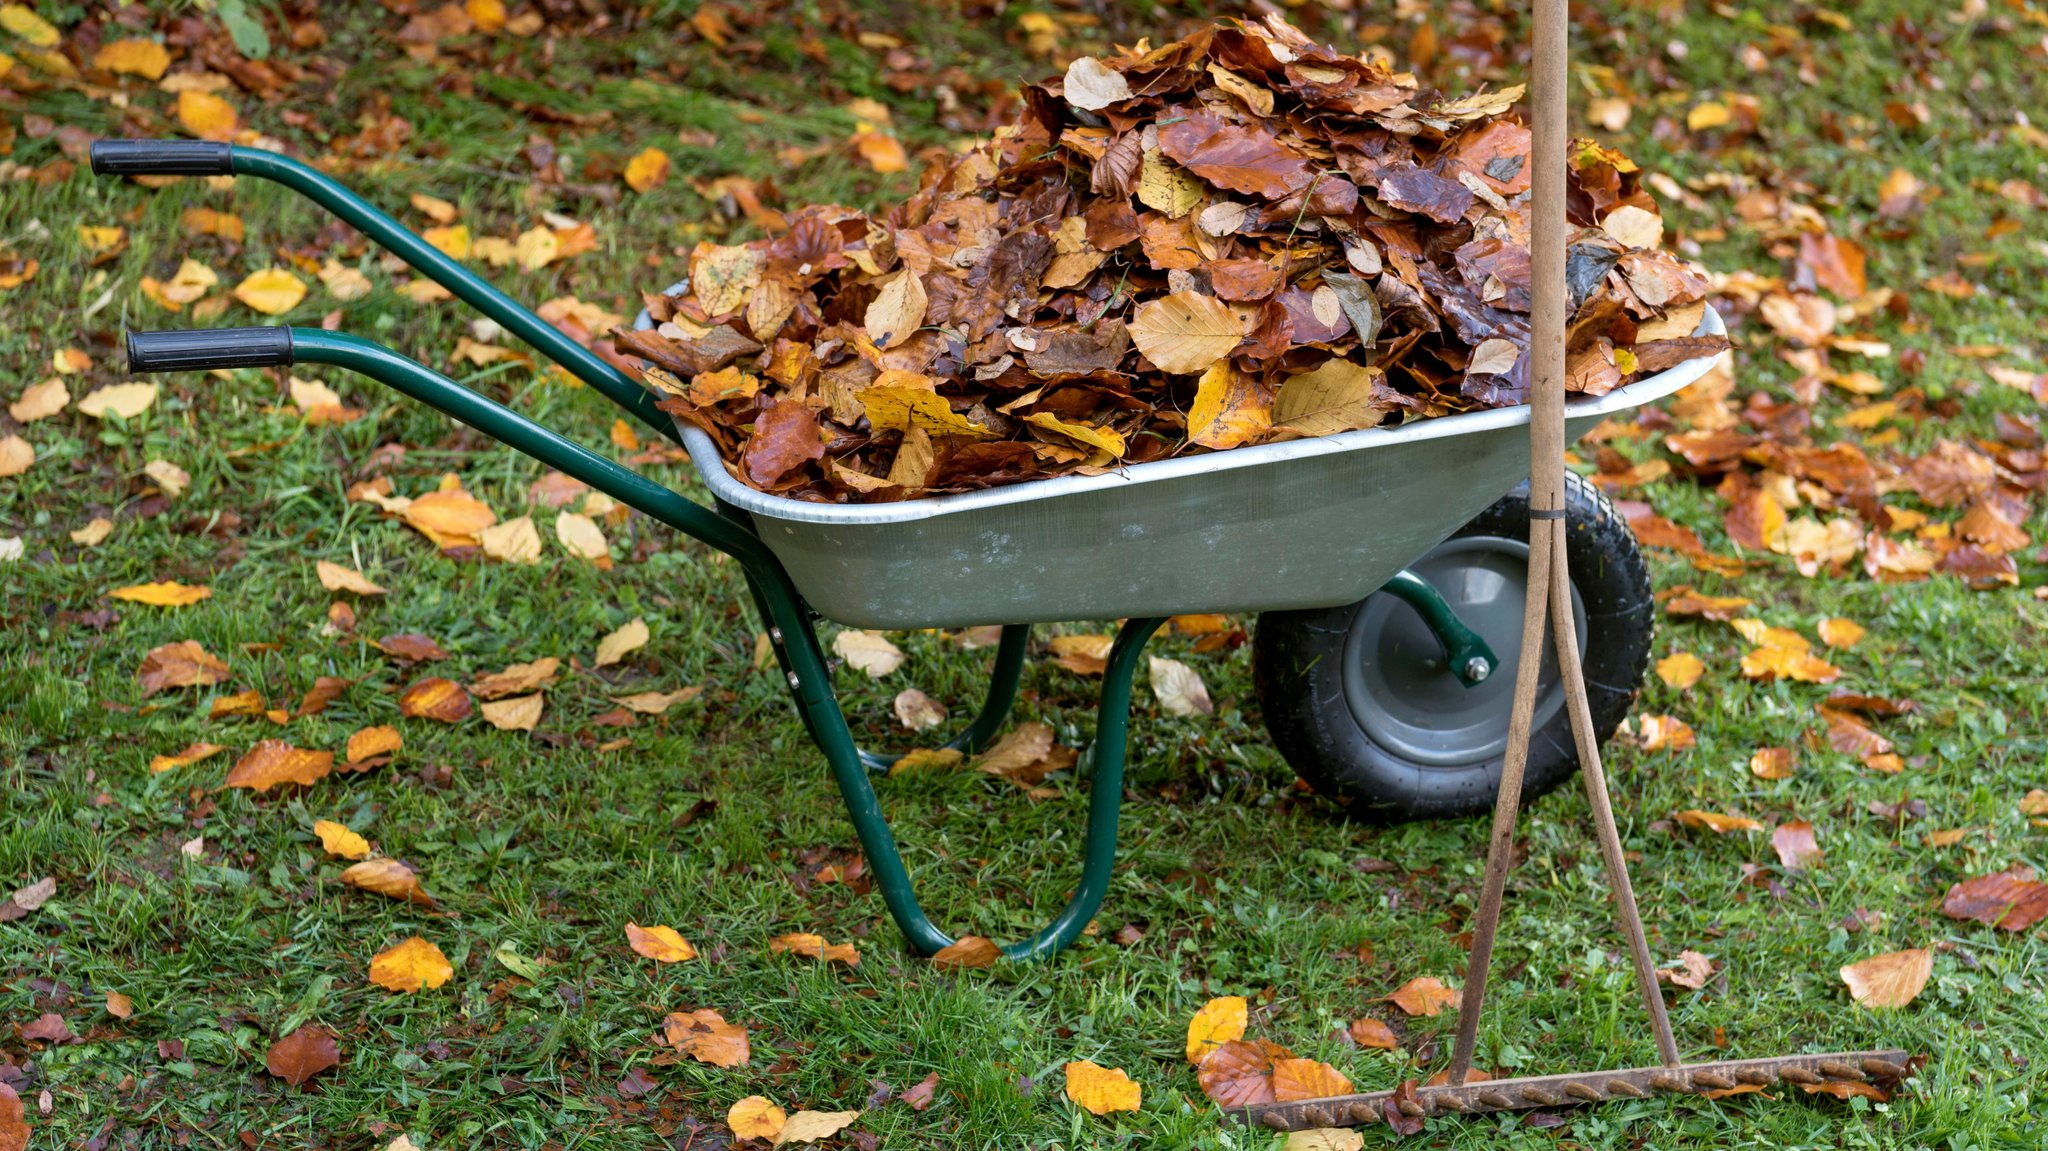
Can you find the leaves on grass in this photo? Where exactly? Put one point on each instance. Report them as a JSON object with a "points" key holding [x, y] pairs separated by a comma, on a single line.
{"points": [[272, 291], [437, 698], [965, 952], [815, 947], [1795, 844], [181, 664], [337, 840], [192, 754], [516, 679], [409, 966], [1239, 1073], [1773, 763], [812, 1126], [274, 763], [659, 943], [1423, 995], [1665, 733], [623, 642], [1220, 1021], [1100, 1090], [28, 899], [1296, 1079], [389, 878], [303, 1054], [168, 593], [1893, 979], [2012, 899], [705, 1036], [1680, 670], [1716, 822], [1373, 1033], [372, 746], [657, 702], [867, 651], [335, 577], [647, 170], [519, 713], [755, 1118]]}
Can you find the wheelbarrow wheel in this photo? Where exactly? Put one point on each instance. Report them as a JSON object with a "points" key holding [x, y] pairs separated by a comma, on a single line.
{"points": [[1360, 702]]}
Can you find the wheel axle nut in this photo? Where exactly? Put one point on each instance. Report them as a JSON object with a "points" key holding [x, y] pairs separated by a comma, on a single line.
{"points": [[1477, 669]]}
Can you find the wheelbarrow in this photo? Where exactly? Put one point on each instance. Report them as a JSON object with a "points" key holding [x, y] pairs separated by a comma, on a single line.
{"points": [[1386, 566]]}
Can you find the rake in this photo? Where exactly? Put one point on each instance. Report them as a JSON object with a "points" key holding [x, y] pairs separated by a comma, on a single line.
{"points": [[1549, 599]]}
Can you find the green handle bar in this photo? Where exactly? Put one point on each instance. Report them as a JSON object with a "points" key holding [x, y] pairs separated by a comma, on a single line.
{"points": [[205, 158]]}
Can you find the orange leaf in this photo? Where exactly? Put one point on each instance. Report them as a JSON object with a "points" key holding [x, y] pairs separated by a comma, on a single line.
{"points": [[166, 594], [372, 742], [647, 171], [389, 878], [1772, 763], [181, 664], [185, 758], [1665, 733], [134, 57], [1840, 632], [1220, 1020], [1295, 1079], [1239, 1073], [435, 698], [206, 116], [967, 951], [249, 702], [705, 1036], [1370, 1032], [1101, 1090], [1423, 995], [302, 1054], [1795, 844], [1720, 824], [409, 966], [274, 762], [335, 577], [1890, 980], [804, 943], [1680, 670], [755, 1118], [661, 944], [337, 839]]}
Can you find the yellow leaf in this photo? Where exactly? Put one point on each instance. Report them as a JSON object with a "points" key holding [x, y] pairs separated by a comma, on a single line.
{"points": [[755, 1118], [814, 946], [16, 454], [1890, 980], [705, 1036], [409, 966], [1680, 670], [1716, 822], [515, 541], [453, 241], [520, 713], [536, 248], [433, 208], [1230, 408], [133, 57], [1710, 114], [185, 758], [23, 22], [582, 537], [897, 310], [169, 477], [209, 222], [661, 944], [338, 840], [1101, 1090], [487, 15], [1167, 188], [723, 276], [1338, 396], [373, 741], [206, 115], [628, 639], [894, 407], [101, 242], [272, 291], [335, 577], [124, 400], [273, 763], [69, 361], [389, 878], [656, 702], [1840, 632], [94, 533], [164, 594], [813, 1126], [647, 171], [451, 518], [1102, 439], [883, 152], [1186, 332], [1773, 763], [868, 651], [40, 401], [1218, 1022]]}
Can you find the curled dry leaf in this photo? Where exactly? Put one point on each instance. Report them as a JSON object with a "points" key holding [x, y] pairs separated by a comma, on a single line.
{"points": [[515, 541], [1423, 995], [868, 651], [1665, 733], [1894, 979], [705, 1036], [1100, 1090], [755, 1118], [1219, 1021], [411, 646], [181, 664], [410, 966], [191, 755], [966, 951], [1696, 969], [437, 698], [917, 711], [335, 577], [623, 642], [273, 763], [302, 1054], [337, 840], [1082, 654], [659, 943], [389, 878], [814, 946], [1716, 822]]}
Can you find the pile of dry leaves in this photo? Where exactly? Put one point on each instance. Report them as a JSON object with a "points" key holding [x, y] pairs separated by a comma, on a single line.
{"points": [[1236, 238]]}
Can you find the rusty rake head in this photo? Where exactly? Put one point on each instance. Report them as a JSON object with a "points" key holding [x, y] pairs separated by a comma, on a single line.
{"points": [[1879, 1070]]}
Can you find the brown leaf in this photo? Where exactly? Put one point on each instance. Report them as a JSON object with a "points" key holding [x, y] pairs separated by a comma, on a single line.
{"points": [[516, 679], [1697, 970], [1369, 1032], [1423, 995], [273, 762], [435, 698], [1894, 979], [1239, 1073], [1241, 159], [411, 646], [919, 1095], [966, 951], [389, 878], [814, 946], [705, 1036], [2012, 899], [14, 1128], [368, 747], [181, 664], [303, 1054], [1794, 842]]}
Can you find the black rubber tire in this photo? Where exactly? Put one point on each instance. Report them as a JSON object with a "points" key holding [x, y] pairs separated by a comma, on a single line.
{"points": [[1297, 659]]}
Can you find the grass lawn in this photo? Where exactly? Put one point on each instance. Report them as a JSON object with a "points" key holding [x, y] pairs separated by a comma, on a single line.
{"points": [[716, 816]]}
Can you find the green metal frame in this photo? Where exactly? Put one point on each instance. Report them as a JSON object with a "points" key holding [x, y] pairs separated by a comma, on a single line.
{"points": [[1467, 654]]}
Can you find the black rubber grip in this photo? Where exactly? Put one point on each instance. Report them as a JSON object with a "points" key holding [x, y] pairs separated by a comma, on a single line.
{"points": [[162, 158], [203, 351]]}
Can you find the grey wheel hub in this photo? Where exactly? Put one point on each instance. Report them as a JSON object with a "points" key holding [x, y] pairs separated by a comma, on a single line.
{"points": [[1395, 679]]}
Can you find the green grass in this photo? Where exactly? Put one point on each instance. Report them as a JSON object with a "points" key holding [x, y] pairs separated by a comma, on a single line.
{"points": [[1241, 882]]}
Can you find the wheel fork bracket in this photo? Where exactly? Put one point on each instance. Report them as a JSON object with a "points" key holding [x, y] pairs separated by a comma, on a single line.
{"points": [[1465, 653]]}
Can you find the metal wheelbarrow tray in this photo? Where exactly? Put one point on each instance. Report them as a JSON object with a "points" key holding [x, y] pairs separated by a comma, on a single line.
{"points": [[1308, 523], [1304, 523]]}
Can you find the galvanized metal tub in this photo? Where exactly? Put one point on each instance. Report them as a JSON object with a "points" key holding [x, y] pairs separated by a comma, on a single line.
{"points": [[1306, 523]]}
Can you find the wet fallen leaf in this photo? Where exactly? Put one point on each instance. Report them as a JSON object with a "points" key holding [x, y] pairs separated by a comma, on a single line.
{"points": [[337, 840], [1680, 670], [273, 763], [1894, 979], [868, 651], [647, 170], [302, 1054], [1296, 1079], [814, 946], [1373, 1033], [1423, 995], [410, 966], [918, 711], [272, 291], [1100, 1090], [755, 1118], [436, 698], [1665, 733], [705, 1036], [966, 952], [389, 878], [168, 593], [657, 702], [40, 401], [659, 943], [371, 743], [623, 642], [1773, 763], [181, 664], [1219, 1021]]}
